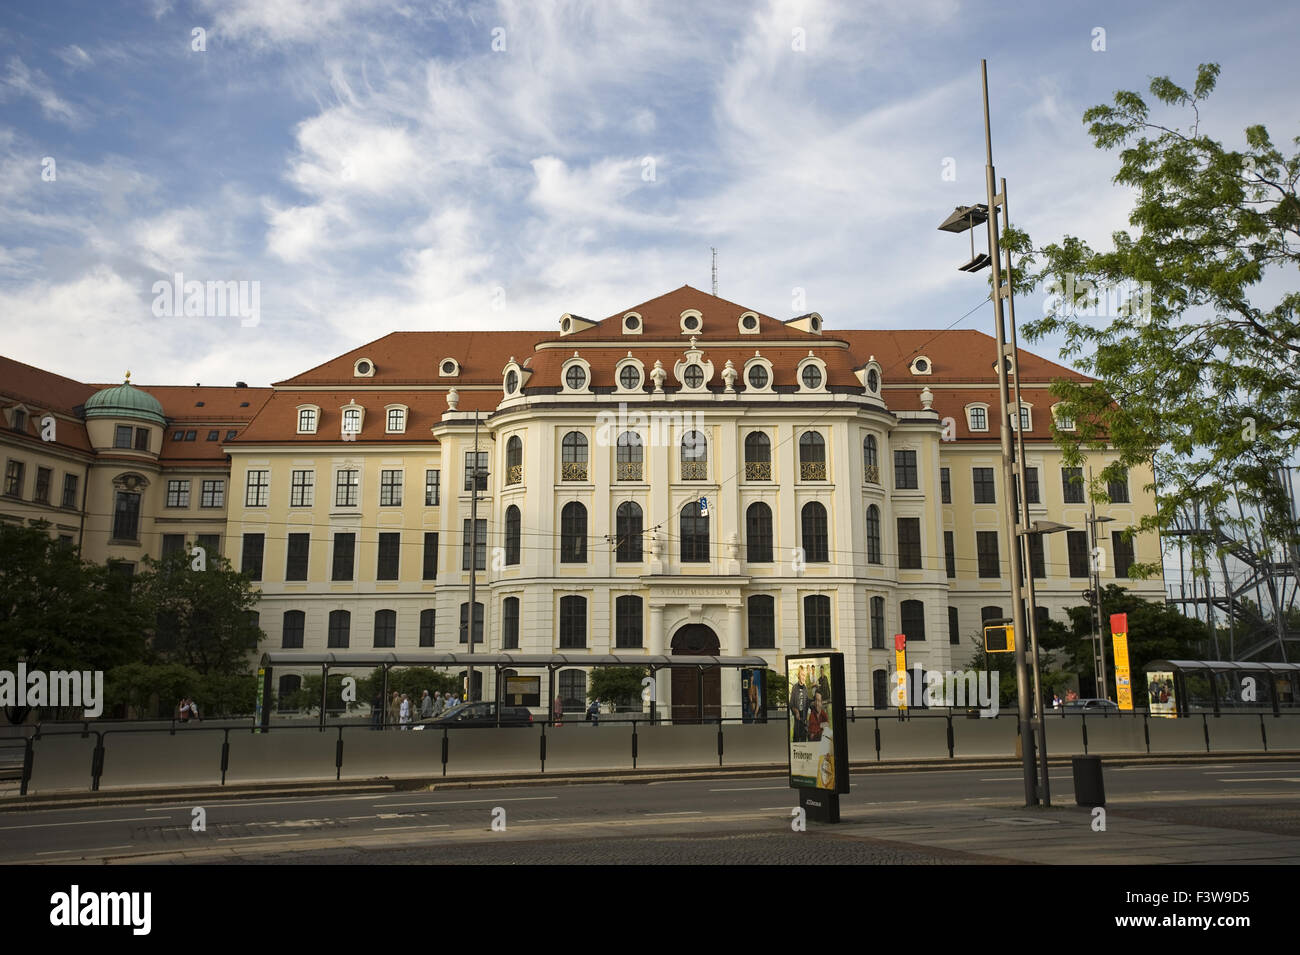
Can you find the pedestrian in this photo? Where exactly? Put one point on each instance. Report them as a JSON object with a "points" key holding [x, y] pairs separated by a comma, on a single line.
{"points": [[593, 712], [404, 712], [426, 706], [557, 710], [194, 711], [395, 709], [183, 710], [376, 711]]}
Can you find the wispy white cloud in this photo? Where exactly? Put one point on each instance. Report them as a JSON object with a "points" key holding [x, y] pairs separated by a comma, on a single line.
{"points": [[19, 80]]}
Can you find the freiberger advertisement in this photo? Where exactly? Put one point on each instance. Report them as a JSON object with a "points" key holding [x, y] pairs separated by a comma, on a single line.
{"points": [[818, 745]]}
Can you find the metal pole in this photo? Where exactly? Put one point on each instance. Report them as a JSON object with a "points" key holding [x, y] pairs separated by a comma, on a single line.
{"points": [[1008, 466], [1096, 592], [473, 565], [1025, 565]]}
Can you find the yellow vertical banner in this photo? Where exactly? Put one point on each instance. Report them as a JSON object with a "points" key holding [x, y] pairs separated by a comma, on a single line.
{"points": [[900, 671], [1123, 682]]}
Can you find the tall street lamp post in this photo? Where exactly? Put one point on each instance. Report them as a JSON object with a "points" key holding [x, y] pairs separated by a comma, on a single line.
{"points": [[1028, 530]]}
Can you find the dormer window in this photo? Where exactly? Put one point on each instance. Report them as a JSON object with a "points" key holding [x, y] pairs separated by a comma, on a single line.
{"points": [[512, 382], [749, 324], [758, 374], [977, 417], [812, 377], [1026, 420], [353, 418], [632, 324], [921, 365], [448, 368], [812, 374], [630, 374], [1063, 421], [364, 368], [693, 376], [396, 419], [307, 418], [692, 322], [576, 375]]}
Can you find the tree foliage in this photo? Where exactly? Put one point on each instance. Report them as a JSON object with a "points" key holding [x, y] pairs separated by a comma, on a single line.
{"points": [[1198, 369], [620, 685]]}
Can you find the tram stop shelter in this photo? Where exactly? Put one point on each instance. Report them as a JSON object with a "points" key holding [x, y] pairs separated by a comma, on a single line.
{"points": [[1224, 686]]}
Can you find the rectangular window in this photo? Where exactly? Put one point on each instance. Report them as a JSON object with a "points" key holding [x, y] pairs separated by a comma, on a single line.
{"points": [[817, 621], [431, 487], [346, 486], [340, 630], [627, 622], [945, 485], [191, 435], [385, 628], [307, 421], [950, 554], [251, 562], [1077, 547], [1117, 491], [1072, 485], [142, 439], [345, 553], [211, 543], [982, 479], [482, 469], [573, 623], [390, 488], [986, 548], [123, 434], [1031, 484], [762, 622], [213, 494], [70, 482], [230, 435], [954, 632], [396, 421], [172, 544], [258, 491], [43, 477], [912, 620], [14, 479], [428, 626], [214, 435], [430, 555], [1123, 550], [877, 623], [295, 566], [909, 543], [510, 624], [1037, 563], [291, 633], [302, 489], [480, 545], [478, 622], [389, 556], [126, 516], [178, 493], [979, 417], [905, 470]]}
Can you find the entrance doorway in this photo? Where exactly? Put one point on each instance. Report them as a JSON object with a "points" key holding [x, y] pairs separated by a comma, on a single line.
{"points": [[692, 686]]}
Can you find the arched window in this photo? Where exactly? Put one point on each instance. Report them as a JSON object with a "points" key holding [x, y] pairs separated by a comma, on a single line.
{"points": [[816, 544], [385, 628], [340, 629], [695, 535], [510, 623], [428, 626], [758, 457], [514, 460], [573, 690], [873, 534], [630, 453], [573, 534], [627, 621], [573, 457], [291, 631], [573, 623], [880, 689], [695, 456], [627, 527], [817, 621], [512, 534], [871, 459], [478, 622], [758, 533], [812, 456]]}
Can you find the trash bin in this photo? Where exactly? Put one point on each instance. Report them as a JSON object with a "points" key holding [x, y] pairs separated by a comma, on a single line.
{"points": [[1088, 787]]}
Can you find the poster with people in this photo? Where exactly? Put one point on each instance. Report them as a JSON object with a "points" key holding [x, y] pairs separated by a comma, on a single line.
{"points": [[753, 696], [817, 735], [1160, 693]]}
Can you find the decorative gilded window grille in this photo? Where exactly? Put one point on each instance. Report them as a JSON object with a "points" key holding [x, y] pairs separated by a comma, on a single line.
{"points": [[813, 470], [629, 470], [758, 470], [515, 474], [695, 470], [573, 471]]}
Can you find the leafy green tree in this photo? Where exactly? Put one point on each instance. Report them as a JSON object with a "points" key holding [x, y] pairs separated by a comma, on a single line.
{"points": [[1198, 372], [778, 689], [204, 619], [58, 612], [620, 685], [307, 697], [152, 690]]}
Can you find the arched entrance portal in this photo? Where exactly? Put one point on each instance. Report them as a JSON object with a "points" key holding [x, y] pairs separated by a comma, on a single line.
{"points": [[693, 688]]}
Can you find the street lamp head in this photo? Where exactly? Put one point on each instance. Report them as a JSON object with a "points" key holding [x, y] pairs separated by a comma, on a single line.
{"points": [[1044, 527], [965, 217]]}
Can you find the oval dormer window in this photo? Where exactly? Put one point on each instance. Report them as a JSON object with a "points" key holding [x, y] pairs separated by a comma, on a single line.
{"points": [[363, 367], [629, 377], [812, 376], [631, 323], [693, 377], [691, 323], [758, 377], [449, 367], [575, 377], [873, 381], [512, 382], [749, 322]]}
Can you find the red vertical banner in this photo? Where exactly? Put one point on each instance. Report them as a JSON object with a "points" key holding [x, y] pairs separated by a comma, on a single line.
{"points": [[1123, 678]]}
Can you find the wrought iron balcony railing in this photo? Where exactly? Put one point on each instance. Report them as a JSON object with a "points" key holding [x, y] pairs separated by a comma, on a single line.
{"points": [[573, 471], [695, 470], [812, 470], [758, 470]]}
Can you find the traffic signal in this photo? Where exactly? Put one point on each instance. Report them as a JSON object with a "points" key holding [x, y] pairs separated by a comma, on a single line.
{"points": [[999, 638]]}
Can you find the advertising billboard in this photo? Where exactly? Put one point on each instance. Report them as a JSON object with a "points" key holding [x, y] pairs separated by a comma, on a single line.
{"points": [[753, 695], [1123, 679], [818, 741], [1160, 693]]}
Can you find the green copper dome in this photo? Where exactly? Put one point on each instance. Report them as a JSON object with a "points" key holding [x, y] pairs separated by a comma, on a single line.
{"points": [[125, 401]]}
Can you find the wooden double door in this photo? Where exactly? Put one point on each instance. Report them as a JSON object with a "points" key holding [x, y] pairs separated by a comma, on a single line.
{"points": [[694, 687]]}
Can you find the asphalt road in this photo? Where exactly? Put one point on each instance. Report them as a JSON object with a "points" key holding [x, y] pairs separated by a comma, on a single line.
{"points": [[733, 820]]}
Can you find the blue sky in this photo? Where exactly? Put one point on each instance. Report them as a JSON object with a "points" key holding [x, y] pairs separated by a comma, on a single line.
{"points": [[380, 166]]}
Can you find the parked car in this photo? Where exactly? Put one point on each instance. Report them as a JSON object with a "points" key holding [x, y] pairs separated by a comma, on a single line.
{"points": [[483, 713], [1091, 705]]}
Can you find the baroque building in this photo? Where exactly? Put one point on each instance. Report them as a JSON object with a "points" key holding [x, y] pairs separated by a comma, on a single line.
{"points": [[684, 476]]}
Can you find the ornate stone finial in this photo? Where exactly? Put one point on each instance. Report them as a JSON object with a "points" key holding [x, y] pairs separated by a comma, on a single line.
{"points": [[657, 375], [629, 354], [128, 379], [729, 375], [692, 341], [757, 353], [927, 398], [575, 354], [453, 399]]}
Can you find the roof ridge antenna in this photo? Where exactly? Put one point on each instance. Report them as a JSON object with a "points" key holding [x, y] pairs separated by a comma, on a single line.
{"points": [[715, 270]]}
